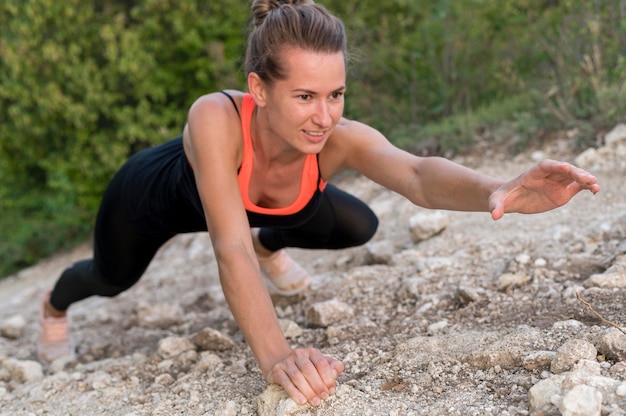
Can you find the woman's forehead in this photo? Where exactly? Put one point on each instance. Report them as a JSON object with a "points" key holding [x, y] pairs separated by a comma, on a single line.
{"points": [[314, 68]]}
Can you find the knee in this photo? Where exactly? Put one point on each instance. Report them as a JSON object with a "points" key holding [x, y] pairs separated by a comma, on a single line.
{"points": [[362, 228], [107, 286], [368, 228], [108, 290]]}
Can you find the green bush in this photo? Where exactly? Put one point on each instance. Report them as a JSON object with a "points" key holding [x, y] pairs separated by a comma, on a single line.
{"points": [[82, 89]]}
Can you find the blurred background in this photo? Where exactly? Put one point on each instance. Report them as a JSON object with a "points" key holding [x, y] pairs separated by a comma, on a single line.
{"points": [[84, 84]]}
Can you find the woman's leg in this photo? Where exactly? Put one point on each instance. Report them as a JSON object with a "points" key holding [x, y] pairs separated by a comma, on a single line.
{"points": [[121, 254]]}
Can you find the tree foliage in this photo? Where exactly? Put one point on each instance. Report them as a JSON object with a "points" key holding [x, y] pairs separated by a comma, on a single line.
{"points": [[84, 84]]}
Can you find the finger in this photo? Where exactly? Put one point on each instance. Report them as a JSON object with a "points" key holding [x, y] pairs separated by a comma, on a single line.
{"points": [[336, 366], [497, 209], [326, 374], [308, 386], [497, 214], [310, 376], [281, 378], [583, 176]]}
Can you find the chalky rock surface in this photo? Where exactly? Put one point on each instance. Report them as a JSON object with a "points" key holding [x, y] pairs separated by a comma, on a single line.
{"points": [[442, 313]]}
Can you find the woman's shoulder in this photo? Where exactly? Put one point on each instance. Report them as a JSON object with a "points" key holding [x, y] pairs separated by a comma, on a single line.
{"points": [[351, 132], [222, 98], [215, 115]]}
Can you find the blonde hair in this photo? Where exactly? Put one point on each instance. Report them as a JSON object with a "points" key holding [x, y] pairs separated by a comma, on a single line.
{"points": [[279, 24]]}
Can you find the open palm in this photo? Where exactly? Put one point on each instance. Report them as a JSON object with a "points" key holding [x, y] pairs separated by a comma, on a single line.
{"points": [[547, 185]]}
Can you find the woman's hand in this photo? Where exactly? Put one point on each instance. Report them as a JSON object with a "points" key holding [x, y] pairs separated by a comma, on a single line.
{"points": [[306, 375], [548, 185]]}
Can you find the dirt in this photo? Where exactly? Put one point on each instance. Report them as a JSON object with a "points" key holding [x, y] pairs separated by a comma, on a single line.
{"points": [[433, 329]]}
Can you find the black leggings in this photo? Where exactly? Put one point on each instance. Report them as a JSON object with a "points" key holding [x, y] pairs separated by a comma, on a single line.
{"points": [[123, 251]]}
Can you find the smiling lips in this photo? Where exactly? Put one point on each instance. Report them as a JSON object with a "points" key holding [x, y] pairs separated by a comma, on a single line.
{"points": [[314, 136]]}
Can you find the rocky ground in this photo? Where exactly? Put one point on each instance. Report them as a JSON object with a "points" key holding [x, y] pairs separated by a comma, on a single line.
{"points": [[443, 313]]}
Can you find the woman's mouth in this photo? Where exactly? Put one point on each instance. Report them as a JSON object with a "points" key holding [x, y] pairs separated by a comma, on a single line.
{"points": [[315, 136]]}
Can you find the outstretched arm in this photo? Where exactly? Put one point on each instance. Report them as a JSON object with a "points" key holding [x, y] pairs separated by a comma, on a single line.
{"points": [[438, 183]]}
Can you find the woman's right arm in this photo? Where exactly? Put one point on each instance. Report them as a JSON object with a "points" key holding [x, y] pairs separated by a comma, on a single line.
{"points": [[214, 146]]}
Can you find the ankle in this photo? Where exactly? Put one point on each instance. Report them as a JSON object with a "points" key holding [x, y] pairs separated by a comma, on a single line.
{"points": [[259, 248], [51, 312]]}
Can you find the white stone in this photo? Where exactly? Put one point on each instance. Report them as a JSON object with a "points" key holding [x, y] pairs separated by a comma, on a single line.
{"points": [[13, 327], [328, 312], [275, 401], [615, 136], [570, 353], [23, 371], [212, 339], [582, 400], [159, 316], [289, 328], [172, 347], [511, 280], [613, 344], [541, 393], [539, 360], [426, 225]]}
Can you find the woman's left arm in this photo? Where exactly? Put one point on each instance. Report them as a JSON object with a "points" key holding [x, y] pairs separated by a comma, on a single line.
{"points": [[438, 183]]}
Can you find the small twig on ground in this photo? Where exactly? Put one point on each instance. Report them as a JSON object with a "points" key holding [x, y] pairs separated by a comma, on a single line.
{"points": [[613, 324]]}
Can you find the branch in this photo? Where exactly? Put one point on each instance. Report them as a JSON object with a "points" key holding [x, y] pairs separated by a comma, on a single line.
{"points": [[613, 324]]}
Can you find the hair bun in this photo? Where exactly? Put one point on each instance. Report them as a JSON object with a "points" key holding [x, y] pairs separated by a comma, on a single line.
{"points": [[261, 8]]}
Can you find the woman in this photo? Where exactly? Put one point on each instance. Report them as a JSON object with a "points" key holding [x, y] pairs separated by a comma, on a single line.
{"points": [[262, 159]]}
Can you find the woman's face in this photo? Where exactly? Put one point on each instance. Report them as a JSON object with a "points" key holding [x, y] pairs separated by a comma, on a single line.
{"points": [[304, 108]]}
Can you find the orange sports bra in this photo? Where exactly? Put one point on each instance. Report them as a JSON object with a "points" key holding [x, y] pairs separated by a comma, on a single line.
{"points": [[310, 182]]}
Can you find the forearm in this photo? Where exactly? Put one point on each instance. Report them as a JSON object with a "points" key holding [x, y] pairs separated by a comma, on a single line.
{"points": [[253, 309], [442, 184]]}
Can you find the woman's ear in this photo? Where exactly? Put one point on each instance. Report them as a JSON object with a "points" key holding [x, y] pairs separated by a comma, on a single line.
{"points": [[256, 86]]}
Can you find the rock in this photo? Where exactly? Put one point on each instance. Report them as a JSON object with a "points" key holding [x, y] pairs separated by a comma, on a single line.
{"points": [[539, 360], [613, 344], [426, 225], [587, 159], [613, 277], [511, 280], [159, 316], [468, 294], [23, 371], [380, 252], [615, 136], [618, 370], [229, 408], [100, 380], [590, 367], [289, 328], [209, 339], [172, 347], [437, 326], [570, 353], [164, 379], [540, 395], [409, 289], [329, 312], [274, 401], [209, 363], [582, 400], [506, 350], [13, 327], [604, 385]]}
